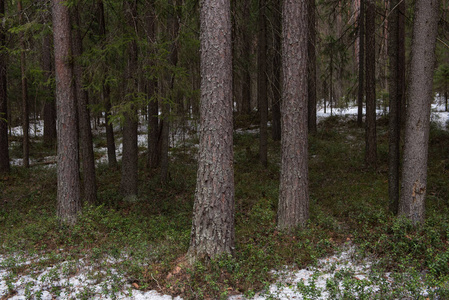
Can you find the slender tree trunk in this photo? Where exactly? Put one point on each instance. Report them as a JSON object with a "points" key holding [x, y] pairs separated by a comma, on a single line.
{"points": [[370, 122], [293, 208], [4, 145], [396, 53], [262, 85], [361, 63], [25, 107], [414, 171], [153, 106], [69, 203], [311, 81], [85, 131], [246, 89], [213, 212], [129, 181], [276, 103], [110, 142], [49, 106]]}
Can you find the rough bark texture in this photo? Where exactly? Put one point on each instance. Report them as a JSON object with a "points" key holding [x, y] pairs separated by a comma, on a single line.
{"points": [[311, 81], [293, 208], [129, 181], [49, 106], [414, 172], [4, 150], [262, 85], [25, 108], [361, 91], [69, 204], [246, 84], [370, 122], [110, 142], [213, 213], [276, 103], [396, 85], [84, 127]]}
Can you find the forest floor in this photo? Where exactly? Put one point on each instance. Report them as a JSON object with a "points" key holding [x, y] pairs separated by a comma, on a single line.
{"points": [[352, 248]]}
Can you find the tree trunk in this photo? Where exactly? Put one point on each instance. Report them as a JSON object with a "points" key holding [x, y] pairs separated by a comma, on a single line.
{"points": [[414, 172], [110, 142], [213, 212], [246, 88], [85, 131], [4, 145], [49, 106], [361, 63], [311, 81], [129, 181], [262, 84], [370, 122], [25, 107], [69, 204], [293, 208], [153, 106], [276, 86], [396, 53]]}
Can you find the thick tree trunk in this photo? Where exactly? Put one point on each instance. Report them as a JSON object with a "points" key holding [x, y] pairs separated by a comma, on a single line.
{"points": [[396, 85], [311, 81], [293, 208], [85, 131], [4, 145], [49, 106], [69, 204], [129, 181], [361, 63], [262, 85], [370, 122], [414, 172], [25, 107], [213, 212], [276, 86]]}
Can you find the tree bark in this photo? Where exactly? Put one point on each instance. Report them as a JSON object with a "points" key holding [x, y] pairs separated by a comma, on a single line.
{"points": [[4, 145], [49, 106], [396, 85], [262, 85], [129, 181], [370, 122], [213, 213], [414, 171], [293, 208], [25, 107], [85, 131], [69, 204], [361, 63], [311, 81], [276, 86], [246, 88]]}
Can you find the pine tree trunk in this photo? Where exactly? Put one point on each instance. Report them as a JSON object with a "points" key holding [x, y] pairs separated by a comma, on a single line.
{"points": [[293, 207], [414, 171], [25, 107], [311, 81], [49, 106], [262, 85], [69, 203], [276, 103], [213, 212], [361, 63], [396, 53], [84, 127], [4, 145], [246, 88], [129, 181], [370, 122]]}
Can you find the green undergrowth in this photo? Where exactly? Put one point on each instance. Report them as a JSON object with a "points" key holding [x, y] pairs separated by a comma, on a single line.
{"points": [[147, 239]]}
